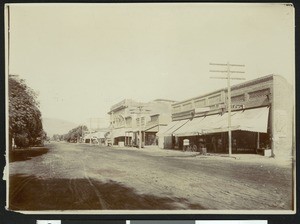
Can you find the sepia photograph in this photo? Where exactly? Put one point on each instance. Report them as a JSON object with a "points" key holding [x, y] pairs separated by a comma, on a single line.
{"points": [[157, 108]]}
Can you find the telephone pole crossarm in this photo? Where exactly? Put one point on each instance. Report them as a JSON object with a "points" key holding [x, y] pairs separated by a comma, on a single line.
{"points": [[225, 71], [228, 64], [236, 65], [228, 77], [236, 78], [240, 72], [216, 77]]}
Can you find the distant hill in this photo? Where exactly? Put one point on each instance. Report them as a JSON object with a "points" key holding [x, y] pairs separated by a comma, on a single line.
{"points": [[56, 126]]}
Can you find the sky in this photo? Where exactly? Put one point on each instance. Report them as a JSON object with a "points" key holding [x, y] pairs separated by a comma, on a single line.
{"points": [[83, 58]]}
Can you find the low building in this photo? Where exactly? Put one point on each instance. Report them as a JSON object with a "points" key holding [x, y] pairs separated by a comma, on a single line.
{"points": [[261, 119], [96, 137]]}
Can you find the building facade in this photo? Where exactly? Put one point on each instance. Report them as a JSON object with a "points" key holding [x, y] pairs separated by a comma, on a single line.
{"points": [[128, 118], [96, 136], [261, 119]]}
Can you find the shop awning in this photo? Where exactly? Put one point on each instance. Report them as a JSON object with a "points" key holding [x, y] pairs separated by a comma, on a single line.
{"points": [[152, 129], [190, 128], [128, 134], [171, 127], [254, 120], [120, 132], [162, 129], [100, 134], [95, 135]]}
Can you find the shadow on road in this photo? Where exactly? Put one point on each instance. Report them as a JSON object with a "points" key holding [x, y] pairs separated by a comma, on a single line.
{"points": [[26, 154], [32, 194]]}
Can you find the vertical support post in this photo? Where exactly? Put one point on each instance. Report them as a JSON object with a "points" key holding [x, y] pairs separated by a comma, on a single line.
{"points": [[272, 119], [140, 128], [111, 130], [272, 137], [90, 131], [229, 110], [258, 141], [81, 136]]}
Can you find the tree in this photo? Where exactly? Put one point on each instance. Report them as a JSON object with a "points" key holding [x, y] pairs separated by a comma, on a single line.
{"points": [[56, 137], [25, 124], [75, 134]]}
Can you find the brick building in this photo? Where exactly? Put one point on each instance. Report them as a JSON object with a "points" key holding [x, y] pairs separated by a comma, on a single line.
{"points": [[262, 119]]}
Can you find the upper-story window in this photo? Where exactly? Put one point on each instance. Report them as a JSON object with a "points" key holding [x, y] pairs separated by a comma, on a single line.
{"points": [[214, 99], [200, 103], [154, 118], [176, 109], [142, 121], [259, 93], [187, 106], [128, 122], [238, 98]]}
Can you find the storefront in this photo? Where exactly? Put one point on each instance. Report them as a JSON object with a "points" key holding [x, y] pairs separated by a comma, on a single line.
{"points": [[128, 140], [166, 138], [120, 136], [150, 135], [249, 131], [262, 118]]}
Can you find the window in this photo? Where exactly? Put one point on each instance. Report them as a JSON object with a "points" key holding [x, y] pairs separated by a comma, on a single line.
{"points": [[238, 98], [200, 103], [187, 106], [177, 109], [154, 118], [214, 99], [259, 93]]}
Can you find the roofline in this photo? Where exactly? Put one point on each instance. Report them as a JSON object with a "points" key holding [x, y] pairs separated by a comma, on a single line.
{"points": [[265, 78], [166, 100]]}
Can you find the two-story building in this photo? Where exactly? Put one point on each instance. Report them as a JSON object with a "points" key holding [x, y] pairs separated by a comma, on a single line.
{"points": [[122, 121], [262, 117], [128, 118]]}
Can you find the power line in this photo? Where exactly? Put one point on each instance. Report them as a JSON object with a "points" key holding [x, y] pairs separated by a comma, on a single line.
{"points": [[228, 72]]}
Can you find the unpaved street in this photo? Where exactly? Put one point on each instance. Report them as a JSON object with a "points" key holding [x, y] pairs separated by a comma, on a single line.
{"points": [[66, 176]]}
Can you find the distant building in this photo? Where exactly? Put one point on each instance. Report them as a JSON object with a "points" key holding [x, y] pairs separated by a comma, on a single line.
{"points": [[126, 121], [96, 137], [261, 119]]}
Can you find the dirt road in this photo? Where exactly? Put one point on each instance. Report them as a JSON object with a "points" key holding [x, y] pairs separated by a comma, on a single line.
{"points": [[67, 176]]}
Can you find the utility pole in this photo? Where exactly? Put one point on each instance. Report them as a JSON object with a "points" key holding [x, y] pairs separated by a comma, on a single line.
{"points": [[140, 126], [228, 71], [81, 133], [139, 110], [90, 131], [111, 128]]}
